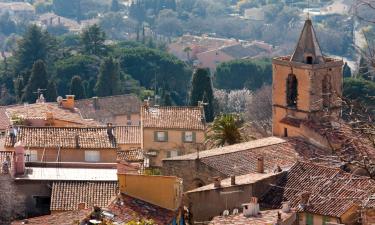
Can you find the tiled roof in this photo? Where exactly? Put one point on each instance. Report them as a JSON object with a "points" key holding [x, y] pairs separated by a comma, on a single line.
{"points": [[66, 195], [264, 217], [332, 191], [128, 134], [61, 218], [135, 155], [238, 51], [45, 110], [127, 208], [4, 120], [3, 157], [173, 117], [242, 158], [65, 137], [104, 108]]}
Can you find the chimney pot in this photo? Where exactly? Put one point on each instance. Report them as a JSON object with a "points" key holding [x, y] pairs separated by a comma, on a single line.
{"points": [[217, 182], [233, 180], [260, 165]]}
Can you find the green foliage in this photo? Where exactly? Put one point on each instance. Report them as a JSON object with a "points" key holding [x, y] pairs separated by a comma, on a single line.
{"points": [[152, 172], [7, 25], [38, 80], [51, 92], [77, 88], [243, 73], [347, 71], [109, 78], [225, 130], [154, 68], [360, 90], [68, 8], [92, 40], [201, 90], [141, 222], [363, 70], [34, 45]]}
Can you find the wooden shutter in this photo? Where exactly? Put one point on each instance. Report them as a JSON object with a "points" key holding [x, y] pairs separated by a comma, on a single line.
{"points": [[166, 136], [309, 219], [155, 136], [194, 137], [183, 137], [168, 154]]}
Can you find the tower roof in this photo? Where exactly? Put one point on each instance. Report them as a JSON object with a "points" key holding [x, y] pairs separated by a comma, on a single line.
{"points": [[308, 50]]}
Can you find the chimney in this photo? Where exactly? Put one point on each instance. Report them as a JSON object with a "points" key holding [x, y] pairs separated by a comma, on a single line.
{"points": [[19, 158], [146, 103], [76, 138], [232, 180], [252, 208], [217, 182], [41, 99], [95, 102], [81, 206], [260, 165], [285, 207], [68, 103], [304, 199]]}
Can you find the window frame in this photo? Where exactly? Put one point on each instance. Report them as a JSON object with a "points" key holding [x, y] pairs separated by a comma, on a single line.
{"points": [[193, 135], [156, 137], [87, 159]]}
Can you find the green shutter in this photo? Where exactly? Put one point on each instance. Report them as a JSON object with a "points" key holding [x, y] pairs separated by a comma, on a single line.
{"points": [[183, 137], [325, 220], [155, 136], [309, 219], [194, 137], [166, 135]]}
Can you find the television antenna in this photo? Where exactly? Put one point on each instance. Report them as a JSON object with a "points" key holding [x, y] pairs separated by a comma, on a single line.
{"points": [[39, 91]]}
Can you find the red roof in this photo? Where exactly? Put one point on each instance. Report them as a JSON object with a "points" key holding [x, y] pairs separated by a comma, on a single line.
{"points": [[62, 218]]}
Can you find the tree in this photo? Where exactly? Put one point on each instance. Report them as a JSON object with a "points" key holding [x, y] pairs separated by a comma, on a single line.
{"points": [[7, 25], [362, 91], [363, 70], [243, 73], [77, 88], [67, 8], [201, 90], [109, 78], [92, 40], [34, 45], [347, 71], [225, 130], [51, 92], [187, 50], [114, 25], [38, 80], [115, 7], [11, 202]]}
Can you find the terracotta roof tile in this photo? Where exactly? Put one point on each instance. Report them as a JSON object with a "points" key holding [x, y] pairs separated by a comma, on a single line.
{"points": [[4, 120], [66, 195], [128, 134], [62, 218], [103, 109], [135, 155], [45, 110], [128, 208], [65, 137], [172, 117], [264, 217], [332, 191], [242, 158]]}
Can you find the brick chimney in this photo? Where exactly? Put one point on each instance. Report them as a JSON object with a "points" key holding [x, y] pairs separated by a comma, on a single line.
{"points": [[19, 158], [304, 199], [260, 165], [68, 103]]}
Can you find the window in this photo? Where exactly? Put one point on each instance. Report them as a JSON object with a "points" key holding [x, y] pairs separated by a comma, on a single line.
{"points": [[326, 92], [31, 156], [161, 136], [291, 90], [172, 153], [92, 156], [42, 201], [309, 60], [285, 132], [188, 136]]}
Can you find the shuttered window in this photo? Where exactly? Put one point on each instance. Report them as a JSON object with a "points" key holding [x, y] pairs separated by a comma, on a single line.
{"points": [[309, 219], [161, 136], [188, 136]]}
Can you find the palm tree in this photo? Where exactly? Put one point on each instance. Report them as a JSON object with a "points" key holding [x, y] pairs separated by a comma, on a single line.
{"points": [[187, 50], [225, 130]]}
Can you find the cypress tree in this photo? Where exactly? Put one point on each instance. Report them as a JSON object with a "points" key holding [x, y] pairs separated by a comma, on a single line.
{"points": [[38, 79], [347, 72], [18, 88], [109, 78], [77, 88], [201, 90], [51, 92]]}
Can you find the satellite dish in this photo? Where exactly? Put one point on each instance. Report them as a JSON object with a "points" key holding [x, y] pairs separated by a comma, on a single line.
{"points": [[59, 99]]}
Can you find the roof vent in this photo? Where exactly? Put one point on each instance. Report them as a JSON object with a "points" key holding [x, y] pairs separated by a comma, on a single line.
{"points": [[252, 208]]}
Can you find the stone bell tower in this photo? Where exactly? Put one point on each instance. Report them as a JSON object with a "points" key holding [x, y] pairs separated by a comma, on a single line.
{"points": [[306, 86]]}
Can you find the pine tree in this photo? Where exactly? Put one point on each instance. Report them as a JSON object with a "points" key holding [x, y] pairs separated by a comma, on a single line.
{"points": [[77, 88], [51, 92], [109, 78], [347, 72], [38, 80], [115, 7], [93, 40], [201, 90]]}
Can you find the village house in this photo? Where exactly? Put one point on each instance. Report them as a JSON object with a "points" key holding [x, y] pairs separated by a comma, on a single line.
{"points": [[22, 9], [321, 194], [128, 137], [64, 144], [199, 169], [171, 131], [120, 110]]}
